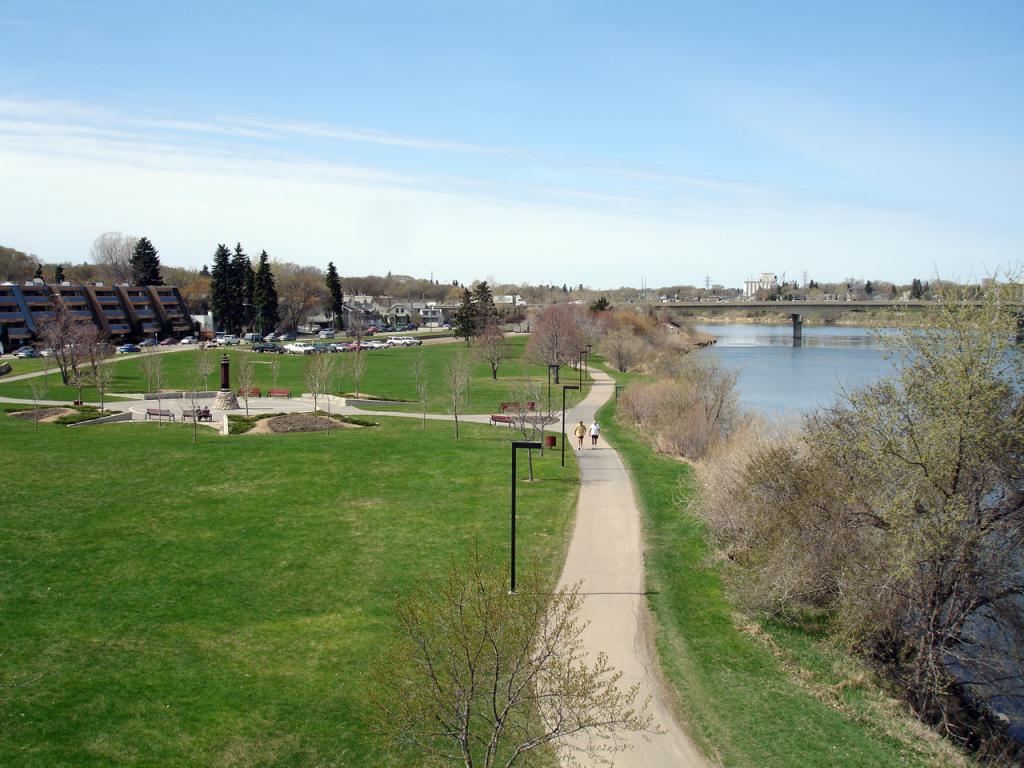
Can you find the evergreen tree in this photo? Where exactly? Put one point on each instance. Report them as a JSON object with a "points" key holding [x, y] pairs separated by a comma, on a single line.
{"points": [[869, 288], [205, 271], [242, 283], [39, 271], [600, 305], [464, 322], [264, 296], [58, 274], [484, 310], [220, 288], [145, 264], [337, 297], [916, 290]]}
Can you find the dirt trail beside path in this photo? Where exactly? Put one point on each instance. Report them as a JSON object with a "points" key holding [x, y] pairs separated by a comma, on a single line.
{"points": [[606, 554]]}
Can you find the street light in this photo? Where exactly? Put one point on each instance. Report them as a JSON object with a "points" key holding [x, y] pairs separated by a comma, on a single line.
{"points": [[564, 388], [516, 444], [579, 366], [552, 368]]}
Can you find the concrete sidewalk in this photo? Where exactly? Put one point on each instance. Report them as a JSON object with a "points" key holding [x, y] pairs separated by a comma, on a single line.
{"points": [[606, 555]]}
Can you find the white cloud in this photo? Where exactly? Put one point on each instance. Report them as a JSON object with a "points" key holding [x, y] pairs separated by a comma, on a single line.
{"points": [[72, 173]]}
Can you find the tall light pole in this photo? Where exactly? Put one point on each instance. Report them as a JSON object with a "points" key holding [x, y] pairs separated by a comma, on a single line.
{"points": [[516, 445], [564, 388], [579, 366]]}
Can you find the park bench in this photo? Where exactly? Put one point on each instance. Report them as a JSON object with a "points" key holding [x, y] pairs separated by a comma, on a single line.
{"points": [[502, 419], [199, 414], [250, 392], [159, 413], [515, 405], [279, 393]]}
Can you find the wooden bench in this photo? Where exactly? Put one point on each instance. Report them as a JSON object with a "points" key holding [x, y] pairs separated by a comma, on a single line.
{"points": [[199, 414], [514, 406], [250, 392], [159, 413], [279, 393], [501, 419]]}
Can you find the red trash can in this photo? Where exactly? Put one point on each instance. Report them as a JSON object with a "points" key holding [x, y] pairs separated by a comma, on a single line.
{"points": [[549, 441]]}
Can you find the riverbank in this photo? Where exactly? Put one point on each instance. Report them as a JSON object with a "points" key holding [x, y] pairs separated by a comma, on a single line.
{"points": [[752, 693]]}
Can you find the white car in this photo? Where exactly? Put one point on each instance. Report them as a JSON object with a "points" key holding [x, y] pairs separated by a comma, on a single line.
{"points": [[300, 348], [327, 333], [189, 340], [403, 341]]}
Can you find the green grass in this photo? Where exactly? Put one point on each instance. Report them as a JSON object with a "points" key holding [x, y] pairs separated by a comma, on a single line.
{"points": [[170, 604], [801, 704], [388, 374]]}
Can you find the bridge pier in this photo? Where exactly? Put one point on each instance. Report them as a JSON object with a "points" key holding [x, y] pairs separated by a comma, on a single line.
{"points": [[798, 329]]}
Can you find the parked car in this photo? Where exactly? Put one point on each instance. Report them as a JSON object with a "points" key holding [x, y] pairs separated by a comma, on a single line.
{"points": [[268, 347], [287, 337], [372, 330], [251, 338], [149, 343], [327, 333], [26, 352], [170, 341], [300, 348], [125, 349], [270, 337], [375, 345], [230, 340], [46, 352], [403, 341], [190, 340]]}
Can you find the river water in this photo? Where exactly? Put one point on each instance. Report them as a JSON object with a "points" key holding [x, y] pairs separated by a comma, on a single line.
{"points": [[776, 377]]}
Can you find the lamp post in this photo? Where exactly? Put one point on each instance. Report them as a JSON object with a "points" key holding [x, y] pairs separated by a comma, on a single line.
{"points": [[552, 368], [579, 366], [516, 445], [564, 388]]}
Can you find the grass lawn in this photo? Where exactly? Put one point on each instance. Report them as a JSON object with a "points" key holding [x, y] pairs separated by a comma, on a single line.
{"points": [[170, 604], [744, 704], [387, 374]]}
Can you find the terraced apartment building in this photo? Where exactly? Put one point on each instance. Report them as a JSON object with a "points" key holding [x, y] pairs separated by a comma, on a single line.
{"points": [[122, 312]]}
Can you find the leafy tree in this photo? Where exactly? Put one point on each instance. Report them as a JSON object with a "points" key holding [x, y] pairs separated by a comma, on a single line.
{"points": [[337, 297], [264, 296], [600, 305], [221, 289], [145, 264], [464, 322], [481, 677], [58, 274]]}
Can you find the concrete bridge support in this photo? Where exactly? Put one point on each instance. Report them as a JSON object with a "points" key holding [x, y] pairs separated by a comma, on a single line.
{"points": [[798, 329]]}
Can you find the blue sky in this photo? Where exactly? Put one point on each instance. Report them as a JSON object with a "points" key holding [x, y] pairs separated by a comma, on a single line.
{"points": [[593, 142]]}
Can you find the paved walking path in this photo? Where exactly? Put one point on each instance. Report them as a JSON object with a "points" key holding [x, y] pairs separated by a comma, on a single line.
{"points": [[606, 554]]}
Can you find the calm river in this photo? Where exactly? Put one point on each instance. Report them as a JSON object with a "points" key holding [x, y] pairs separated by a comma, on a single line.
{"points": [[777, 377]]}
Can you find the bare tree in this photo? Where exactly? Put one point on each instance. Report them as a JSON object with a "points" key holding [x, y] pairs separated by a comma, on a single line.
{"points": [[38, 386], [204, 366], [530, 414], [246, 380], [419, 372], [61, 333], [490, 347], [300, 290], [457, 378], [151, 364], [102, 378], [112, 252], [357, 367], [275, 370], [623, 349], [556, 338], [317, 374], [480, 677]]}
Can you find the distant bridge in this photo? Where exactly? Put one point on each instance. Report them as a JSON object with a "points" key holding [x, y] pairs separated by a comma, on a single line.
{"points": [[797, 309]]}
